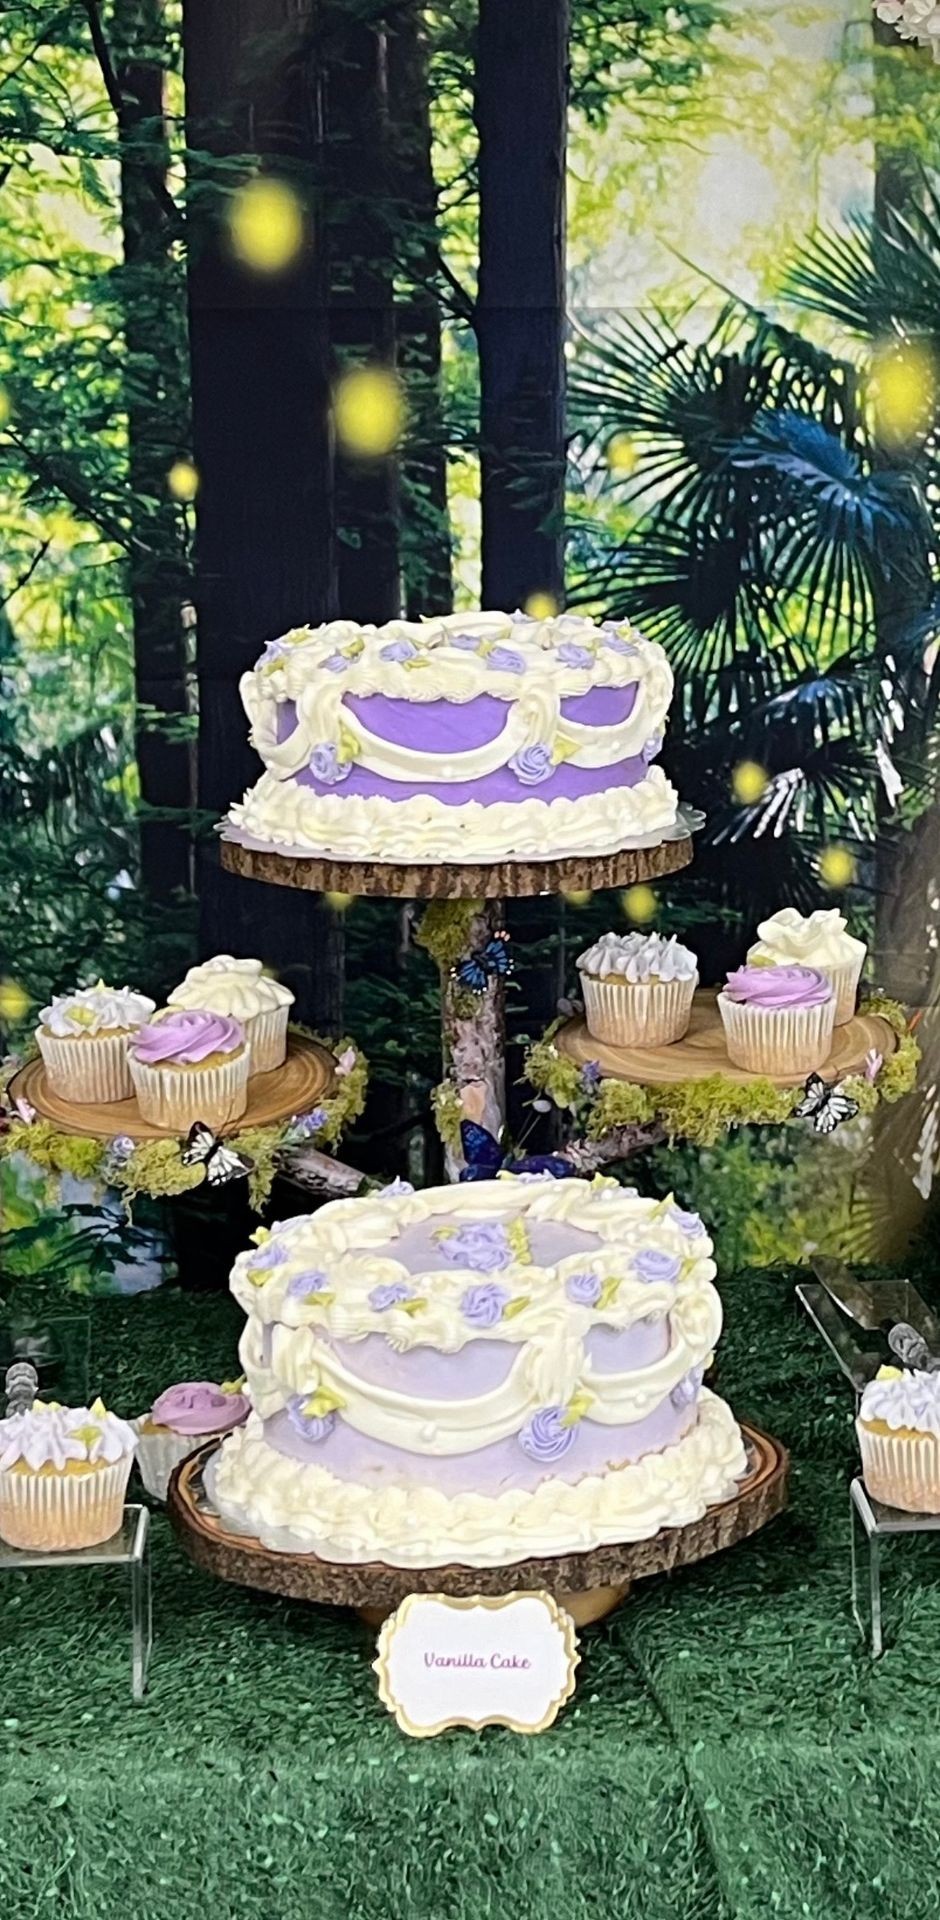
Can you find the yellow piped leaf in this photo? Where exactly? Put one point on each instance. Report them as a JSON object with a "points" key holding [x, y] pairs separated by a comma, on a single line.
{"points": [[411, 1306], [516, 1306], [577, 1407], [563, 749], [325, 1400], [608, 1292], [348, 746]]}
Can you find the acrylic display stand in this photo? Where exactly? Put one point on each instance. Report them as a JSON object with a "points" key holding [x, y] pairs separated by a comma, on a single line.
{"points": [[130, 1548], [872, 1522]]}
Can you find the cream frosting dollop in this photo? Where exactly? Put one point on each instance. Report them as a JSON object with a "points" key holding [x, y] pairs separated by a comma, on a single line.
{"points": [[774, 988], [909, 1400], [47, 1435], [638, 958], [231, 986], [97, 1009], [818, 939], [187, 1035]]}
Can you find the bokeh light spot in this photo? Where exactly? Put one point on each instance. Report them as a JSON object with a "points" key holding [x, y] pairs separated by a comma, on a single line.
{"points": [[266, 225], [541, 606], [183, 481], [369, 410], [749, 782], [339, 901], [904, 390], [622, 456], [578, 899], [836, 867], [639, 904], [14, 1001]]}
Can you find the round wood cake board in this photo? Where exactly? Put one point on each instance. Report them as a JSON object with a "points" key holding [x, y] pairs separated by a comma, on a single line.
{"points": [[702, 1052], [588, 1585], [505, 879], [306, 1078]]}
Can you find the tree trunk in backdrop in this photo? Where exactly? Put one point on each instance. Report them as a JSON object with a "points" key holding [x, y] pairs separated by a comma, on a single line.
{"points": [[521, 114], [154, 301], [261, 440]]}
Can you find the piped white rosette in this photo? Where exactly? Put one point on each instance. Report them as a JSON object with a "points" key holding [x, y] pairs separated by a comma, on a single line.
{"points": [[63, 1476], [82, 1038], [638, 989], [242, 989], [898, 1429], [818, 940]]}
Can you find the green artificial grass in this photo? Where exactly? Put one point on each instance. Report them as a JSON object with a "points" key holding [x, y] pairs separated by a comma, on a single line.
{"points": [[731, 1753]]}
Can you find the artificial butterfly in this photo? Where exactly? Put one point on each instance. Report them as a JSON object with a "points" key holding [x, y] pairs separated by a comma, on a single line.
{"points": [[824, 1105], [490, 962], [485, 1157], [221, 1163]]}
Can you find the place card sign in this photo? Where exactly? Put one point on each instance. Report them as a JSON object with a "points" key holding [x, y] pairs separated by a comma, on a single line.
{"points": [[475, 1663]]}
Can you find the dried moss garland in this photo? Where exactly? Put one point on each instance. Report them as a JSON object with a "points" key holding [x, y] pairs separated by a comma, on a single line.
{"points": [[444, 930]]}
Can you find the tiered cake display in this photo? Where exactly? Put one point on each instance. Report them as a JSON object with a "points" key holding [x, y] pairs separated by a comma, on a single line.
{"points": [[508, 1369]]}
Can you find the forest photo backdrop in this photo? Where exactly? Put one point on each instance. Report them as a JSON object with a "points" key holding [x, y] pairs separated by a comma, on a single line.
{"points": [[319, 306]]}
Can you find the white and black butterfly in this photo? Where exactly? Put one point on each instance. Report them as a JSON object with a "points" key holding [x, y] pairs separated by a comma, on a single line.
{"points": [[824, 1105], [221, 1163]]}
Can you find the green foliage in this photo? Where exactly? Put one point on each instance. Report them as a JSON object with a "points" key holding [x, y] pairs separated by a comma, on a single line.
{"points": [[444, 930]]}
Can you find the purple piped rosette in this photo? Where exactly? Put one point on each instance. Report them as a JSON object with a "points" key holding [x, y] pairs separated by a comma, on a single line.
{"points": [[583, 1289], [482, 1246], [382, 1299], [310, 1426], [575, 656], [690, 1224], [466, 642], [399, 650], [685, 1390], [336, 663], [504, 660], [327, 767], [532, 765], [269, 1254], [545, 1437], [483, 1306], [304, 1284], [652, 1266]]}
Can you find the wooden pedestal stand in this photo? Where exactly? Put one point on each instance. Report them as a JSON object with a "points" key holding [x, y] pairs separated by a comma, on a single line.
{"points": [[473, 1044], [588, 1585]]}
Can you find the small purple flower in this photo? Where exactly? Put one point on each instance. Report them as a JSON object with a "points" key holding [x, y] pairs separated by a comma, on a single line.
{"points": [[615, 641], [467, 642], [269, 1254], [651, 1265], [651, 747], [531, 765], [304, 1126], [574, 656], [119, 1149], [688, 1223], [590, 1075], [382, 1298], [326, 765], [504, 660], [393, 1187], [483, 1306], [310, 1426], [336, 663], [400, 650], [274, 650], [304, 1284], [685, 1390], [544, 1438], [583, 1289], [520, 619], [481, 1246]]}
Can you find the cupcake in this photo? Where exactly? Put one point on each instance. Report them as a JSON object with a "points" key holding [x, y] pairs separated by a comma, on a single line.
{"points": [[83, 1038], [190, 1065], [638, 989], [818, 940], [63, 1476], [898, 1429], [240, 988], [179, 1421], [777, 1020]]}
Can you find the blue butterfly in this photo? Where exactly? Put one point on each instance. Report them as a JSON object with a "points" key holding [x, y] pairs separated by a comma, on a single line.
{"points": [[492, 962], [485, 1157]]}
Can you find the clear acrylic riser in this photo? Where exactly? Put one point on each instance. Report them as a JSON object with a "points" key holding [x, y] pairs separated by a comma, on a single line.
{"points": [[130, 1548]]}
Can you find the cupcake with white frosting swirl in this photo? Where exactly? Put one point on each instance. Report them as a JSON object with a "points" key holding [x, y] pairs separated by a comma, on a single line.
{"points": [[83, 1036], [63, 1476], [898, 1429], [820, 940], [638, 989], [241, 988], [188, 1065]]}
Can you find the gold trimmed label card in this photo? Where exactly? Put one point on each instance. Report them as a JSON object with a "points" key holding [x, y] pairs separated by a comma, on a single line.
{"points": [[475, 1663]]}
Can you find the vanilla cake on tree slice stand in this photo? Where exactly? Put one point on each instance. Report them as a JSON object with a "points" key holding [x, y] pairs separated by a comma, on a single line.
{"points": [[479, 1375]]}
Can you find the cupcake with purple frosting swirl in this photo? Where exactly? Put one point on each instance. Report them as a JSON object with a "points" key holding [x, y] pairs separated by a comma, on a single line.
{"points": [[181, 1419], [189, 1064], [778, 1020]]}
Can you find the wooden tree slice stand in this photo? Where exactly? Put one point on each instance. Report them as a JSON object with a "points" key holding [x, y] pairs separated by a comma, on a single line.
{"points": [[589, 1585], [307, 1077], [501, 880], [703, 1052]]}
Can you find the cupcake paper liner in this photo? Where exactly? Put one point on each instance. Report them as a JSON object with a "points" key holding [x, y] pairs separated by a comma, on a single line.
{"points": [[844, 982], [87, 1070], [266, 1033], [650, 1013], [901, 1470], [56, 1512], [176, 1097], [777, 1040], [159, 1453]]}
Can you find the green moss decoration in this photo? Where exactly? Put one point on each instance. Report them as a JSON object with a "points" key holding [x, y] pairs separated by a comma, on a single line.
{"points": [[619, 1104], [344, 1105], [448, 1113], [155, 1167], [552, 1073], [899, 1072], [444, 930], [53, 1151]]}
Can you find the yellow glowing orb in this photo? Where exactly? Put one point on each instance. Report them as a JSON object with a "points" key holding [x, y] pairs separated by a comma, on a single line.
{"points": [[541, 606], [266, 225], [836, 867], [749, 782], [579, 899], [14, 1001], [6, 406], [183, 481], [339, 901], [369, 410], [639, 904], [622, 456], [904, 389]]}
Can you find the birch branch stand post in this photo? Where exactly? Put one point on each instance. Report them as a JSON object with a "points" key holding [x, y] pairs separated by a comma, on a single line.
{"points": [[473, 1037]]}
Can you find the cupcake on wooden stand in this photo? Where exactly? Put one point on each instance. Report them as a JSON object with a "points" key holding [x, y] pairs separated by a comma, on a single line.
{"points": [[638, 989], [818, 940], [82, 1038], [190, 1065], [241, 988], [777, 1020]]}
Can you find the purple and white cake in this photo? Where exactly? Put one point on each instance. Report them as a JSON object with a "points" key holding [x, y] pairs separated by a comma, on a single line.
{"points": [[475, 737], [477, 1374]]}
